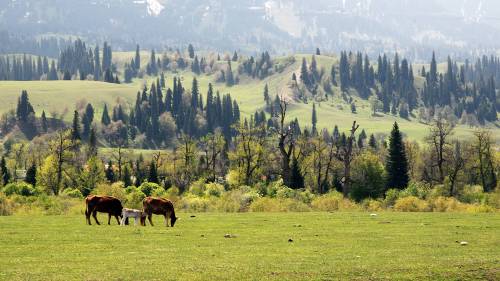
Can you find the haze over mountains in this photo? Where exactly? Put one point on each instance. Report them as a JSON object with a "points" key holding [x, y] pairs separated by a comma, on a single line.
{"points": [[414, 28]]}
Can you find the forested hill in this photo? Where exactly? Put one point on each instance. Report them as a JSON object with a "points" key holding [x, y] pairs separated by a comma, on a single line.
{"points": [[412, 27]]}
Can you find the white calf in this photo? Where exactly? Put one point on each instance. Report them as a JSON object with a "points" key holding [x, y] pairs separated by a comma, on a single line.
{"points": [[131, 213]]}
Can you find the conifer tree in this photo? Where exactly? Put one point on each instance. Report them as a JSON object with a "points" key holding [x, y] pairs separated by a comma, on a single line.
{"points": [[4, 172], [191, 51], [297, 179], [31, 175], [110, 173], [45, 125], [153, 173], [126, 176], [75, 128], [397, 163], [314, 120], [105, 116], [137, 59]]}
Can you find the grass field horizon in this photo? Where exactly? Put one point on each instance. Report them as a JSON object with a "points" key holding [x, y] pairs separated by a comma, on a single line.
{"points": [[325, 246]]}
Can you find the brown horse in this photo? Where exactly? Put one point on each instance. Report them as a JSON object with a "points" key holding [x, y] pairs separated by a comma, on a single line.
{"points": [[158, 206], [103, 204]]}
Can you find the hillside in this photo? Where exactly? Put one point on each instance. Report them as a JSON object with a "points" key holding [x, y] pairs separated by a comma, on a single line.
{"points": [[62, 96]]}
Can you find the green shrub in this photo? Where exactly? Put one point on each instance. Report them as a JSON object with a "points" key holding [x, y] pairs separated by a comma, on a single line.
{"points": [[214, 189], [411, 204], [72, 192], [391, 196], [416, 189], [150, 188], [471, 194], [196, 204], [306, 196], [134, 198], [480, 208], [20, 188], [197, 188]]}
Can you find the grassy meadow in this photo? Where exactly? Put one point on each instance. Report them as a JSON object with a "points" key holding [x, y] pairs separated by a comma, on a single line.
{"points": [[324, 246]]}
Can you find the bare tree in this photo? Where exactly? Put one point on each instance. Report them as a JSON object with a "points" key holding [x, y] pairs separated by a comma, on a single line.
{"points": [[286, 142], [345, 155], [438, 140], [486, 165], [457, 163]]}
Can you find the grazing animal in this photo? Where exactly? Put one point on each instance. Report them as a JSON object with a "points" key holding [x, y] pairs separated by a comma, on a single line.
{"points": [[103, 204], [132, 213], [158, 206]]}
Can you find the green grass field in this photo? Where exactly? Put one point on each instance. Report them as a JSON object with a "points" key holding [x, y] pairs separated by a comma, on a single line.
{"points": [[326, 246]]}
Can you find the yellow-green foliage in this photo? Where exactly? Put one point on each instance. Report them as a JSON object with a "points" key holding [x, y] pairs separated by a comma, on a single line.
{"points": [[333, 201], [5, 205], [411, 204], [446, 204], [116, 190], [266, 204], [372, 205]]}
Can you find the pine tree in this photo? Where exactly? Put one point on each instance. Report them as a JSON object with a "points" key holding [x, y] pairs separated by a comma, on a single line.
{"points": [[137, 60], [75, 129], [297, 179], [4, 171], [31, 175], [304, 74], [397, 163], [318, 52], [126, 176], [191, 51], [229, 74], [267, 98], [45, 125], [153, 173], [314, 120], [105, 116], [110, 173]]}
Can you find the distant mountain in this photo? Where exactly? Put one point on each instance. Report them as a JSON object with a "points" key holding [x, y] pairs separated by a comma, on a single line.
{"points": [[411, 27]]}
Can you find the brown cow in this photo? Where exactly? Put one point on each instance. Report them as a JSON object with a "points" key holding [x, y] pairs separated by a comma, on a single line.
{"points": [[158, 206], [103, 204]]}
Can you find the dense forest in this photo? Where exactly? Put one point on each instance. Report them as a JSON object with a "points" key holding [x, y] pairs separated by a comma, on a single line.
{"points": [[200, 134]]}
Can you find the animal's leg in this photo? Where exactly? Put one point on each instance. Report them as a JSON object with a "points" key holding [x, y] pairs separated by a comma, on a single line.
{"points": [[150, 219], [135, 220], [87, 216], [117, 220], [94, 214], [109, 219], [166, 220], [123, 221]]}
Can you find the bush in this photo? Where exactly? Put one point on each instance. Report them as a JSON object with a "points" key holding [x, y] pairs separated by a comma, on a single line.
{"points": [[416, 189], [134, 198], [411, 204], [267, 204], [73, 193], [214, 189], [368, 177], [333, 201], [196, 204], [150, 188], [6, 206], [197, 188], [391, 196], [471, 194], [20, 188], [372, 205], [446, 204], [480, 208]]}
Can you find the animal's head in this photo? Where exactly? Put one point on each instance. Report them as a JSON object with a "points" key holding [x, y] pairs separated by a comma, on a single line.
{"points": [[172, 220]]}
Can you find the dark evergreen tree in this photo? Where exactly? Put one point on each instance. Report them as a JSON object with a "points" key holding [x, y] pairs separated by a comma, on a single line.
{"points": [[45, 124], [31, 175], [153, 173], [110, 173], [297, 179], [75, 128], [396, 162], [191, 51], [105, 120], [4, 171], [314, 119]]}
